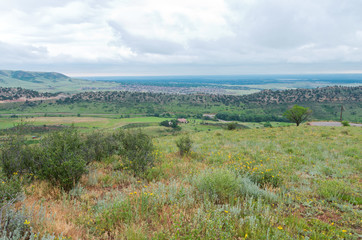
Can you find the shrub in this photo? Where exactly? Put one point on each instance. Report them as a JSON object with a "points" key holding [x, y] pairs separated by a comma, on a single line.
{"points": [[98, 145], [231, 126], [165, 123], [12, 224], [12, 153], [62, 159], [267, 124], [17, 157], [184, 144], [10, 188], [137, 152], [345, 123]]}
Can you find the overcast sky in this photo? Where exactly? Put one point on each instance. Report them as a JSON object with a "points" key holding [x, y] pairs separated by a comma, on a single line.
{"points": [[181, 37]]}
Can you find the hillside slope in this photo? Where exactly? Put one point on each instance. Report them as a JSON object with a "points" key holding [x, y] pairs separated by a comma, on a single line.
{"points": [[325, 94], [44, 81], [328, 94]]}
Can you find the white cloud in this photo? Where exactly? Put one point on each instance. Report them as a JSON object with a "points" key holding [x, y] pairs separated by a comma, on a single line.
{"points": [[219, 36]]}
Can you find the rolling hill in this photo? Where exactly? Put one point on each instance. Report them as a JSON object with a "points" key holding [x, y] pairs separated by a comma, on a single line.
{"points": [[45, 81]]}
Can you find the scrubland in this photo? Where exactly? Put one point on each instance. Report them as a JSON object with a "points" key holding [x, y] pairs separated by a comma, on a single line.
{"points": [[268, 183]]}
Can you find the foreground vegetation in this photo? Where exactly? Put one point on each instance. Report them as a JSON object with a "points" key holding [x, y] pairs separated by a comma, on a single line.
{"points": [[267, 183]]}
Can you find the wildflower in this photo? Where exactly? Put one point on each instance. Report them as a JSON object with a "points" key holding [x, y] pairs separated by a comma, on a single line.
{"points": [[280, 227], [26, 222], [344, 230], [246, 235], [15, 173], [332, 223], [226, 211]]}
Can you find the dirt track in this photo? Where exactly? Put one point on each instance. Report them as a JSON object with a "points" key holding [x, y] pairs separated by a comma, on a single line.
{"points": [[332, 124]]}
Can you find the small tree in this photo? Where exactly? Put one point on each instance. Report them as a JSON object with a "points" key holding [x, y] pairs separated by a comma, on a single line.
{"points": [[297, 114]]}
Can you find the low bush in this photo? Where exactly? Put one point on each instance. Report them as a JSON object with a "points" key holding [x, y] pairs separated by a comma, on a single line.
{"points": [[62, 160], [184, 145], [14, 224], [10, 188], [137, 152], [231, 126], [345, 123], [98, 146], [267, 124], [17, 157]]}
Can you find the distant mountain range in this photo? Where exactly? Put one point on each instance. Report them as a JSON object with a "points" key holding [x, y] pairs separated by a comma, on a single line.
{"points": [[32, 77]]}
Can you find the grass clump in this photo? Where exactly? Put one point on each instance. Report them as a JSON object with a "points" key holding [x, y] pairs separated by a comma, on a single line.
{"points": [[268, 124], [336, 190], [221, 185]]}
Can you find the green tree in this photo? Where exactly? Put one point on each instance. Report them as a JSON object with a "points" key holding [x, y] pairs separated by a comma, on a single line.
{"points": [[297, 114]]}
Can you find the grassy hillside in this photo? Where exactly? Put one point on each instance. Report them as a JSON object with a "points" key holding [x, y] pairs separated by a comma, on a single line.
{"points": [[45, 81], [325, 104], [270, 183]]}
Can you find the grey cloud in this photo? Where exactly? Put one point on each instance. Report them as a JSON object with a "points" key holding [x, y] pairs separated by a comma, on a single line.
{"points": [[21, 53], [289, 24], [145, 45], [265, 36]]}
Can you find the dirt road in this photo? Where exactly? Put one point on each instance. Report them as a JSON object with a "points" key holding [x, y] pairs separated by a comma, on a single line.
{"points": [[332, 124]]}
